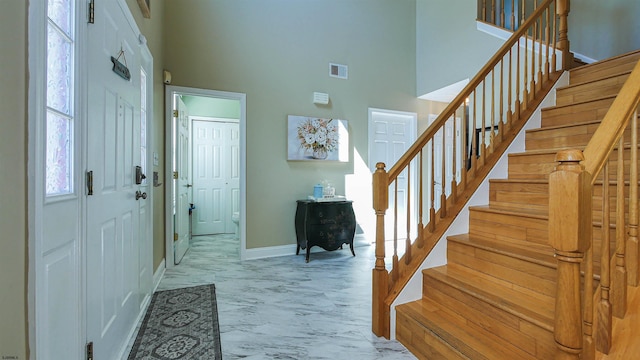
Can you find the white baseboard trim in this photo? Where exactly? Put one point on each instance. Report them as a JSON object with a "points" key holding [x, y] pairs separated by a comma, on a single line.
{"points": [[288, 250], [584, 58], [270, 251], [158, 274]]}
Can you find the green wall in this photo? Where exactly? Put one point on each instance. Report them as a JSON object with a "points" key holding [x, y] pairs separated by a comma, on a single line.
{"points": [[449, 48], [602, 29], [278, 52], [13, 179], [213, 107]]}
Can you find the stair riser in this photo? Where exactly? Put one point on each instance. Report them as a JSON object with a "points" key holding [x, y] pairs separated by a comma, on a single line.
{"points": [[554, 138], [577, 136], [516, 273], [591, 90], [604, 69], [518, 195], [492, 321], [501, 226], [578, 113], [539, 165], [422, 342]]}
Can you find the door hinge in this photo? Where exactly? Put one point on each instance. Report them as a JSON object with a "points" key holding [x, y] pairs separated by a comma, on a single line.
{"points": [[90, 351], [175, 174], [90, 182], [92, 10], [175, 236], [175, 113]]}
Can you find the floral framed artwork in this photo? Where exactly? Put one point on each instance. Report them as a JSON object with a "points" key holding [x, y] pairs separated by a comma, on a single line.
{"points": [[319, 139]]}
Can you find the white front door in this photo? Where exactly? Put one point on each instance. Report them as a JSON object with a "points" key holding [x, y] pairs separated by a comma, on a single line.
{"points": [[181, 182], [216, 175], [391, 133], [113, 293]]}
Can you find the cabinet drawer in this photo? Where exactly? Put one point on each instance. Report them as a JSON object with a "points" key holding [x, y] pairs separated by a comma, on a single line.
{"points": [[329, 213]]}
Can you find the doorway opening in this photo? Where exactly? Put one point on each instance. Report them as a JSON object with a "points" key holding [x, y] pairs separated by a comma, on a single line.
{"points": [[391, 133], [214, 112]]}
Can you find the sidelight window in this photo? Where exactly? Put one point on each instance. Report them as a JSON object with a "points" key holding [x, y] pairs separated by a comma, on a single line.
{"points": [[60, 95]]}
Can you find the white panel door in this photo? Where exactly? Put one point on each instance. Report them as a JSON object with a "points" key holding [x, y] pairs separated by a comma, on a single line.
{"points": [[113, 230], [391, 133], [182, 183], [216, 174]]}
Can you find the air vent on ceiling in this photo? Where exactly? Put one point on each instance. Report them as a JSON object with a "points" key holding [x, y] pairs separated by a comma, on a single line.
{"points": [[338, 71]]}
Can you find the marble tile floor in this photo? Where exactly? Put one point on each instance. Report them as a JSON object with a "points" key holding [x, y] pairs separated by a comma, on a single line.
{"points": [[284, 308]]}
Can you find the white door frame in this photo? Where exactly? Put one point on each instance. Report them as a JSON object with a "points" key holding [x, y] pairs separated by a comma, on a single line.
{"points": [[170, 90]]}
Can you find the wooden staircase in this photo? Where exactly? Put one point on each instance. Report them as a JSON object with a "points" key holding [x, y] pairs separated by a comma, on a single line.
{"points": [[495, 298]]}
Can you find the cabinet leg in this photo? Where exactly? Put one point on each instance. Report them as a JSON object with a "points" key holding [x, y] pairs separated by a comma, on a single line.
{"points": [[297, 249], [308, 250], [351, 247]]}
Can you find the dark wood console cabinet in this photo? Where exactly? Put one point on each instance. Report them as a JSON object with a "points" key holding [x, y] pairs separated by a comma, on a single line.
{"points": [[328, 224]]}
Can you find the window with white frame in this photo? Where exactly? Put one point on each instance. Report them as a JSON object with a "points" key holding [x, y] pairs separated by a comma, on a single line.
{"points": [[60, 94]]}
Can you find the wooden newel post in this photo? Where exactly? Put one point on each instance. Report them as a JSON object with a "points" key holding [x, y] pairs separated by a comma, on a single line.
{"points": [[562, 10], [380, 278], [569, 234]]}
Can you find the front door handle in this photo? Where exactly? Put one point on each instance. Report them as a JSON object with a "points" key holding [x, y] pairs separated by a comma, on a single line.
{"points": [[140, 194]]}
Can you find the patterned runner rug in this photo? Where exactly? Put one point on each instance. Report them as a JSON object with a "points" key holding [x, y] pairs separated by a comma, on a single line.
{"points": [[180, 324]]}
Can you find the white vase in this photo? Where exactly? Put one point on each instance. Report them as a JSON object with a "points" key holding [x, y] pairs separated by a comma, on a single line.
{"points": [[320, 153]]}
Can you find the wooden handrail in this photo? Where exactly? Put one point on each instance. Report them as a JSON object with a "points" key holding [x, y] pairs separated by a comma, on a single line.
{"points": [[570, 228], [468, 89], [458, 163], [605, 139]]}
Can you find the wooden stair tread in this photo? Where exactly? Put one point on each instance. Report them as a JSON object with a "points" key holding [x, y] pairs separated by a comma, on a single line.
{"points": [[525, 212], [563, 126], [534, 152], [525, 250], [469, 341], [608, 97], [586, 82], [537, 310], [520, 181], [554, 151]]}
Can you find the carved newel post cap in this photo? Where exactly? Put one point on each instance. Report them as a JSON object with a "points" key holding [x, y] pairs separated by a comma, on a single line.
{"points": [[380, 166], [569, 156]]}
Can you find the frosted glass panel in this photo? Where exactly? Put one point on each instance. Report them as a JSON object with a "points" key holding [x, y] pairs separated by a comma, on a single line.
{"points": [[143, 121], [59, 156], [59, 71], [61, 13]]}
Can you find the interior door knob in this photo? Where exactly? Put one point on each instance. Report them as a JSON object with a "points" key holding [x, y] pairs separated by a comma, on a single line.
{"points": [[140, 194]]}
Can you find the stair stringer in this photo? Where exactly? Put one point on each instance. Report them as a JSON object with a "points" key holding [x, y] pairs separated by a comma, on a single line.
{"points": [[438, 256]]}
